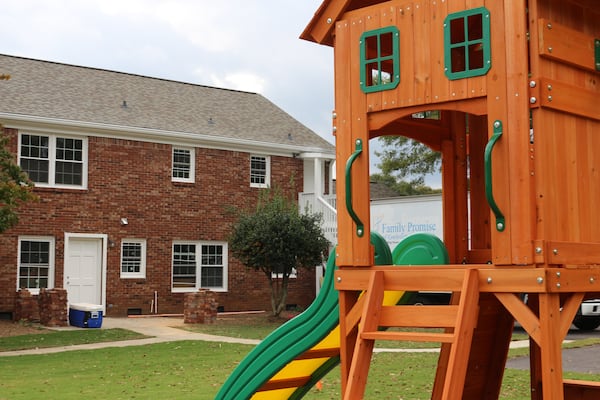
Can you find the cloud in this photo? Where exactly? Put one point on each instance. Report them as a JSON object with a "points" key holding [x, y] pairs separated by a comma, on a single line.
{"points": [[245, 81], [249, 45], [211, 27]]}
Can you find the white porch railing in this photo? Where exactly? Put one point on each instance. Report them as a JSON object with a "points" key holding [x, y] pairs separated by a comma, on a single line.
{"points": [[324, 205]]}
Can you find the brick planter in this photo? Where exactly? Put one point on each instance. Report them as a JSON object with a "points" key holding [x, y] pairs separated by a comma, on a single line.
{"points": [[53, 307], [26, 307], [200, 307]]}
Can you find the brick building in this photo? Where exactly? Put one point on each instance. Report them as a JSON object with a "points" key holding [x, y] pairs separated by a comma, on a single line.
{"points": [[136, 177]]}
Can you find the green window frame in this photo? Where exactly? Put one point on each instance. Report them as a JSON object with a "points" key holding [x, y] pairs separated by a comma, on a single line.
{"points": [[380, 59], [467, 50]]}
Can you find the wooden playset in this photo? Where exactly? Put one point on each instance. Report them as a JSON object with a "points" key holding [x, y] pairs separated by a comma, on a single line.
{"points": [[507, 91]]}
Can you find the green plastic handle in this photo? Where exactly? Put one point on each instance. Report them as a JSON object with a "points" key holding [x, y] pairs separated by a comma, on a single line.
{"points": [[489, 193], [360, 227]]}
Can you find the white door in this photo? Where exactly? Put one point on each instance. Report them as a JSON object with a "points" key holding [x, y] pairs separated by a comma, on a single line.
{"points": [[83, 270]]}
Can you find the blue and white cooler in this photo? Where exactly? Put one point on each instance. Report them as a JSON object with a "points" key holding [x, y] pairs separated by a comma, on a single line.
{"points": [[85, 315]]}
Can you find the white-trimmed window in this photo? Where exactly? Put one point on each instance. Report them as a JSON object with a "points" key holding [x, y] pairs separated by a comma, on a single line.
{"points": [[260, 171], [183, 164], [54, 160], [279, 275], [133, 258], [35, 263], [199, 265]]}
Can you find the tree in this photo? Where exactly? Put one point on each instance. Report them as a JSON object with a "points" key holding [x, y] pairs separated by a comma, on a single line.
{"points": [[15, 187], [404, 165], [276, 239]]}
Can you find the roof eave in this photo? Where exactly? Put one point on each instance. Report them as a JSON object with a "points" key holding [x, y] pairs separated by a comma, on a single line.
{"points": [[56, 125], [321, 27]]}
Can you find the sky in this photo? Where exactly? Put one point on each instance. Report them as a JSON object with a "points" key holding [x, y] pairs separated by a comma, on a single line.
{"points": [[249, 45]]}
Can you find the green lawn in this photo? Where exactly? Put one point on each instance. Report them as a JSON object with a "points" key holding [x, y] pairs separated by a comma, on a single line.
{"points": [[66, 338], [196, 370], [177, 370]]}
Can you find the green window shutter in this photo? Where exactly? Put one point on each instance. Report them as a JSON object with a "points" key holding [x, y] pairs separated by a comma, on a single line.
{"points": [[467, 50], [380, 59]]}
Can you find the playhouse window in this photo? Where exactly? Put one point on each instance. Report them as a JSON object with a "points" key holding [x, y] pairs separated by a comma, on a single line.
{"points": [[467, 43], [380, 59]]}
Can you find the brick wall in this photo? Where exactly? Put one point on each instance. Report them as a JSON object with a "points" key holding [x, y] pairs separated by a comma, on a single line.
{"points": [[132, 179]]}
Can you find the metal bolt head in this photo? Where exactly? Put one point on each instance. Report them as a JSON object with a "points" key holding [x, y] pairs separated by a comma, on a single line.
{"points": [[334, 115], [558, 285], [540, 280], [592, 279], [550, 49], [499, 226], [496, 124], [532, 100], [489, 279], [329, 20], [532, 84], [549, 98], [538, 250], [339, 279], [334, 129]]}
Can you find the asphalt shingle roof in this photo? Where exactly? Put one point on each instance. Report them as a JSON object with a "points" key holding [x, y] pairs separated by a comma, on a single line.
{"points": [[67, 92]]}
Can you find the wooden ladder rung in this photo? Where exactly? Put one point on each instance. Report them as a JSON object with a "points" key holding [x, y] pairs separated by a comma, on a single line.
{"points": [[454, 318], [409, 336], [319, 353], [276, 384]]}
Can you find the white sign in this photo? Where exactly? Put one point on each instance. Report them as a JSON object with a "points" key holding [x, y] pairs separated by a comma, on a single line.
{"points": [[400, 217]]}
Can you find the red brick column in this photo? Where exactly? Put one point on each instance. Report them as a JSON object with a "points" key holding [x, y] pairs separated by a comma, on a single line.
{"points": [[200, 307], [26, 307], [53, 307]]}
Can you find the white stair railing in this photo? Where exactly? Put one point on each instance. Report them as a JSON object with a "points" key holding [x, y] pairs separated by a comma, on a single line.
{"points": [[324, 205]]}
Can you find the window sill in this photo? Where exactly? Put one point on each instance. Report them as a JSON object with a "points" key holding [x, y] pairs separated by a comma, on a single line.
{"points": [[73, 189], [194, 290]]}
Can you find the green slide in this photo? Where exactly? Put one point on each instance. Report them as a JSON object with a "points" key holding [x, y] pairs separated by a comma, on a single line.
{"points": [[282, 350]]}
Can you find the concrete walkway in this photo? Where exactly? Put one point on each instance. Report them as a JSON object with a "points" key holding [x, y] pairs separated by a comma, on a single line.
{"points": [[169, 329], [161, 329]]}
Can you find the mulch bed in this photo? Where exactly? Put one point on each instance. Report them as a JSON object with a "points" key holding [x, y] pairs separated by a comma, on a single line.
{"points": [[11, 328]]}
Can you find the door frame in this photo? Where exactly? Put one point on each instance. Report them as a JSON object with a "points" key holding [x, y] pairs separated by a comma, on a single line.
{"points": [[104, 238]]}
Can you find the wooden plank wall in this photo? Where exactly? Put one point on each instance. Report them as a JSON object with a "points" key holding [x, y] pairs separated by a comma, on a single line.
{"points": [[350, 125], [567, 121], [548, 191], [422, 78], [422, 83]]}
